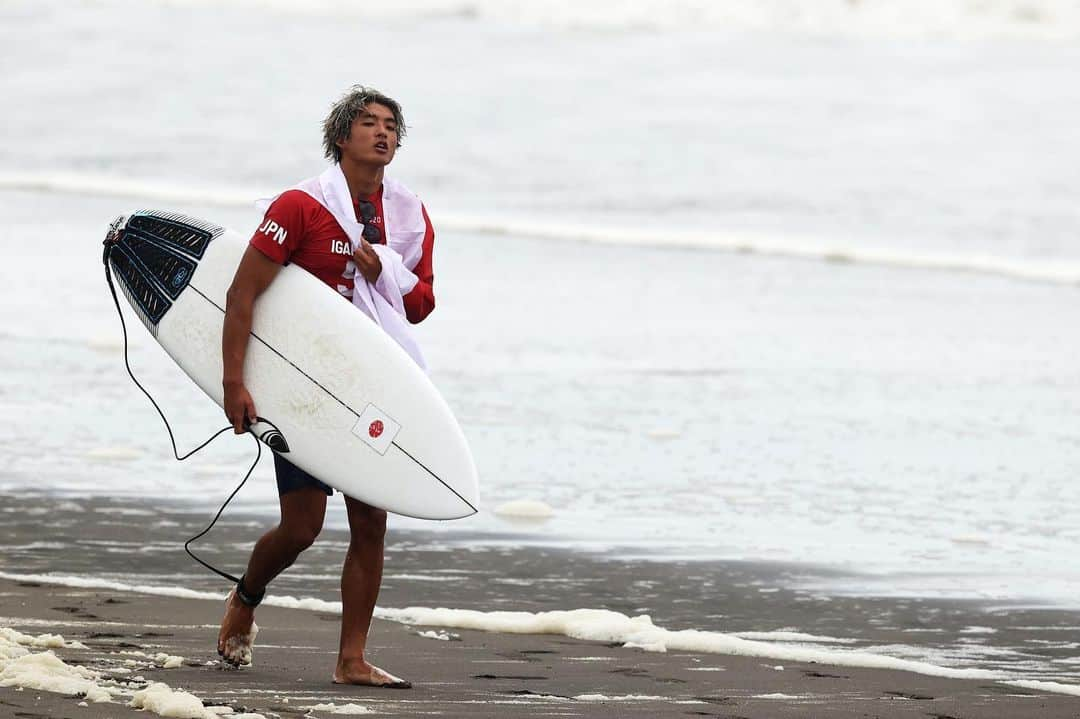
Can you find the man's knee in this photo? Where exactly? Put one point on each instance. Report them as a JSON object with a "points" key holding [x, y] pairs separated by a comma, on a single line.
{"points": [[301, 535], [302, 513], [367, 526]]}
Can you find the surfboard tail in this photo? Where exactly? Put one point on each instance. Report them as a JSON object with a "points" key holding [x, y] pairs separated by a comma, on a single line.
{"points": [[154, 255]]}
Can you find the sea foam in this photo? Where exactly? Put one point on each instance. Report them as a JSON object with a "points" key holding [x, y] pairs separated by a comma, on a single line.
{"points": [[1055, 271], [525, 509], [592, 625], [163, 700], [19, 667]]}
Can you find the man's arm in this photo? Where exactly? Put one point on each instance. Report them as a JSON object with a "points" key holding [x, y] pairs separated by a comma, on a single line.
{"points": [[253, 276]]}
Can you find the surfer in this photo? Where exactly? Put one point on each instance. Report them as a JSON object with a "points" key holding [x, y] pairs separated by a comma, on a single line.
{"points": [[369, 238]]}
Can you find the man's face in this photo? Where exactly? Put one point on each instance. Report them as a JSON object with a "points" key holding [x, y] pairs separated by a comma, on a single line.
{"points": [[373, 137]]}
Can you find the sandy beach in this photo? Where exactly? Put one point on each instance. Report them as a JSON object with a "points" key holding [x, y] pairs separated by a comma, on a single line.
{"points": [[470, 674], [131, 636]]}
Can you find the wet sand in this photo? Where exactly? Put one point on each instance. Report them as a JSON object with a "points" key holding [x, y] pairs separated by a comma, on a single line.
{"points": [[485, 674], [135, 542], [472, 674]]}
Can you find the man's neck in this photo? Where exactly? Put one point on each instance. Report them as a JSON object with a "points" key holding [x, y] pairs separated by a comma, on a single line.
{"points": [[363, 180]]}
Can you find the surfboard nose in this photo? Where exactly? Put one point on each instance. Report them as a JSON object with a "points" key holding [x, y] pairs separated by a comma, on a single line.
{"points": [[468, 495], [455, 506], [450, 489]]}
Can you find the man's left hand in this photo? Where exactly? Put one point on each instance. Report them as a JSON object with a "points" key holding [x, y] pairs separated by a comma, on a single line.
{"points": [[367, 261]]}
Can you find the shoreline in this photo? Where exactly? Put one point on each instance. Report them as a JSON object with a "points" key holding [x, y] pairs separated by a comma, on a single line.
{"points": [[461, 670], [114, 545], [180, 518]]}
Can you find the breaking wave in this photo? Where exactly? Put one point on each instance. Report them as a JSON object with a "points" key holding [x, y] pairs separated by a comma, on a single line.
{"points": [[1056, 271]]}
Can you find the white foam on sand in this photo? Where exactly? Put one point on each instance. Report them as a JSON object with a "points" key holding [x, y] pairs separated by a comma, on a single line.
{"points": [[41, 641], [785, 636], [628, 698], [19, 667], [607, 626], [47, 672], [284, 601], [608, 698], [1054, 687], [339, 709], [163, 700], [31, 622], [591, 625], [168, 661], [11, 650], [441, 636], [44, 671], [525, 509], [95, 583]]}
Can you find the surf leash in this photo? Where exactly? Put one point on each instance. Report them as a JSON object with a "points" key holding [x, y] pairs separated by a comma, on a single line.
{"points": [[109, 242]]}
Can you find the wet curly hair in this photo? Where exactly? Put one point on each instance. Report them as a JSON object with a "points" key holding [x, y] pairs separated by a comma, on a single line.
{"points": [[343, 113]]}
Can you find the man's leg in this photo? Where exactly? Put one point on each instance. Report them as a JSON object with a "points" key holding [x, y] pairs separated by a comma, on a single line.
{"points": [[302, 512], [361, 578]]}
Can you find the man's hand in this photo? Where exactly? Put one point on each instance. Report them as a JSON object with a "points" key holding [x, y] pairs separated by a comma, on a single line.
{"points": [[238, 406], [367, 261]]}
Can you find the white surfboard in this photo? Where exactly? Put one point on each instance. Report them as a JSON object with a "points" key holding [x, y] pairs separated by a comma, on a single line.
{"points": [[339, 398]]}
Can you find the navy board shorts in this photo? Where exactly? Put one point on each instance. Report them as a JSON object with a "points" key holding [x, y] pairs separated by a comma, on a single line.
{"points": [[290, 477]]}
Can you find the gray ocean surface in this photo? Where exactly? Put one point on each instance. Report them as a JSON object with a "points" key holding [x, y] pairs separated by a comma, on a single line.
{"points": [[916, 428]]}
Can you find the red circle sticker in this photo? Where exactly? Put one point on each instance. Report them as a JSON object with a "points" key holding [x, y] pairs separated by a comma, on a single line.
{"points": [[375, 428]]}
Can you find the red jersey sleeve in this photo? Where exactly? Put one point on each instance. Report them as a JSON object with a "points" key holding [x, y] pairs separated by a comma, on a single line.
{"points": [[421, 300], [279, 234]]}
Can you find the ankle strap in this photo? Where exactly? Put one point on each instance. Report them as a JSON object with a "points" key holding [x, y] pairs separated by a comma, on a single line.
{"points": [[250, 600]]}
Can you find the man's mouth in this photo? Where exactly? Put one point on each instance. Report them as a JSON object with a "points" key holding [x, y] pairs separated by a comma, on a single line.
{"points": [[382, 146]]}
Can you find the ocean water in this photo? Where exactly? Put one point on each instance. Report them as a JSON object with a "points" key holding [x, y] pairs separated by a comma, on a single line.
{"points": [[782, 281]]}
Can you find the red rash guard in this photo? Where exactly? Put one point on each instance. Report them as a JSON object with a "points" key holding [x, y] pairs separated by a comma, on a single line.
{"points": [[297, 229]]}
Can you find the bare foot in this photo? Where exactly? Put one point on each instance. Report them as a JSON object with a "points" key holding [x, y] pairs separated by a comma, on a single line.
{"points": [[238, 630], [358, 671]]}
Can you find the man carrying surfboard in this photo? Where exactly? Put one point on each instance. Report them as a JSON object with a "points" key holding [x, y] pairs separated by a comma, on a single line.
{"points": [[369, 239]]}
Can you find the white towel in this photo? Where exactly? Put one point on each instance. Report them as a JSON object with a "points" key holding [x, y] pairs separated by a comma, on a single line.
{"points": [[405, 227]]}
